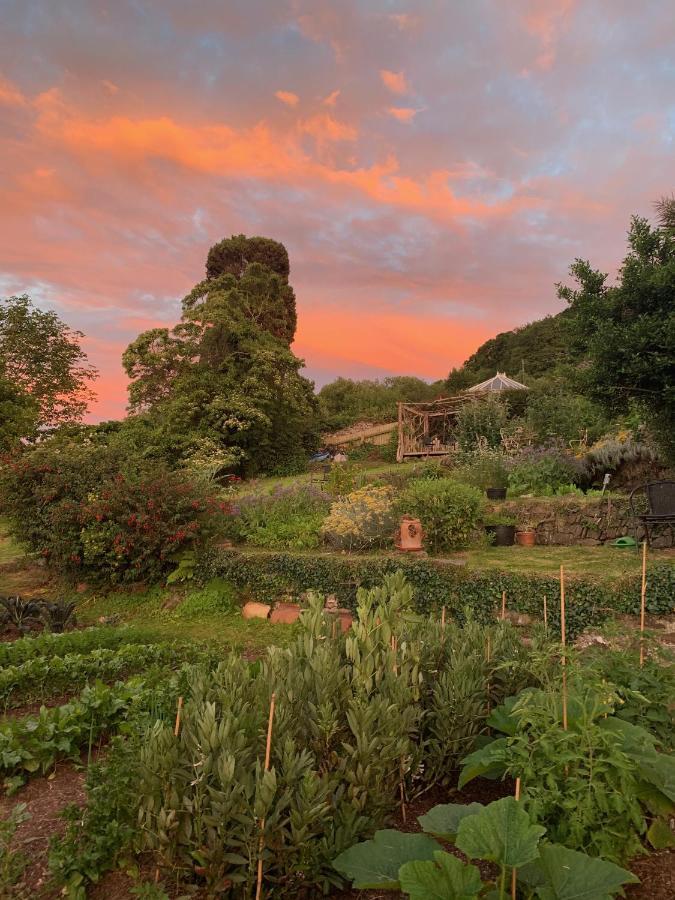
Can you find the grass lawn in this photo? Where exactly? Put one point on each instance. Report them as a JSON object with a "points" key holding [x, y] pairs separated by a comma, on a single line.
{"points": [[605, 563]]}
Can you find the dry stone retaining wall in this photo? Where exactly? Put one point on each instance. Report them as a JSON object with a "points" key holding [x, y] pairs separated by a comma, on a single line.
{"points": [[569, 521]]}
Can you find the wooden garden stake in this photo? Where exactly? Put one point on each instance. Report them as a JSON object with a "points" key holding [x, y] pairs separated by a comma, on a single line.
{"points": [[487, 659], [503, 605], [643, 594], [268, 748], [176, 728], [402, 788], [562, 634], [394, 647], [443, 619], [545, 614], [513, 871]]}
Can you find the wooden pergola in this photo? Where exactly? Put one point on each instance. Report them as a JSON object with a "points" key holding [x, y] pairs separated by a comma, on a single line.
{"points": [[428, 429]]}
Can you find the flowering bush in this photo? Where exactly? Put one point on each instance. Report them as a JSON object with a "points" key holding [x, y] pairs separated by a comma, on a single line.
{"points": [[285, 518], [361, 519], [93, 515], [449, 511]]}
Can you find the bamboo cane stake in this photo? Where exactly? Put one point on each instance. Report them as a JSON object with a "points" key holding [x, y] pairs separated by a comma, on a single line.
{"points": [[503, 605], [487, 659], [402, 789], [443, 619], [545, 614], [513, 871], [176, 728], [563, 641], [643, 595], [268, 748]]}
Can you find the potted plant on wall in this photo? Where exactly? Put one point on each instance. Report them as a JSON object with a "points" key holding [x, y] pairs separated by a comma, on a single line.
{"points": [[496, 478], [526, 535], [501, 530]]}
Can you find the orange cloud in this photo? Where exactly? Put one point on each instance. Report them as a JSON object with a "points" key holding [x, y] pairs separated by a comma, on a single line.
{"points": [[395, 81], [325, 128], [545, 23], [331, 98], [110, 87], [402, 113], [10, 95], [287, 97]]}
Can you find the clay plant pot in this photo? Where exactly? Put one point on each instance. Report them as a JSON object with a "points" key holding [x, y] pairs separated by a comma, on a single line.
{"points": [[496, 493], [409, 535], [285, 613], [526, 538], [253, 610]]}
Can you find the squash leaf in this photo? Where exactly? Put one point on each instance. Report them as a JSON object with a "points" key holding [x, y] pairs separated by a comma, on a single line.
{"points": [[487, 762], [443, 878], [502, 833], [375, 864], [570, 875], [443, 820]]}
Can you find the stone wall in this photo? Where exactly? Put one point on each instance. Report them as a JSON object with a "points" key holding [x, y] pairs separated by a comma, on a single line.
{"points": [[574, 520]]}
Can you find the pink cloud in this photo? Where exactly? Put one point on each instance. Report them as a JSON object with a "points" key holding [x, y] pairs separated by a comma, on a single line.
{"points": [[331, 99], [395, 81], [402, 113], [287, 97]]}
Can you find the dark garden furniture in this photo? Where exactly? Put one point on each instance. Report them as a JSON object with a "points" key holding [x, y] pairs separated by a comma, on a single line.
{"points": [[658, 499]]}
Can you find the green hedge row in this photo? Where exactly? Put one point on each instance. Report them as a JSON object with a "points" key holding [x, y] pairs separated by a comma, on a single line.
{"points": [[266, 575]]}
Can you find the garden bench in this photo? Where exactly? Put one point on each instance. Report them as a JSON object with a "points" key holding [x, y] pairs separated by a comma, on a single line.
{"points": [[659, 499]]}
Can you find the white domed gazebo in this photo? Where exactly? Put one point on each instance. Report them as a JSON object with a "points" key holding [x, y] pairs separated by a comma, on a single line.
{"points": [[499, 382]]}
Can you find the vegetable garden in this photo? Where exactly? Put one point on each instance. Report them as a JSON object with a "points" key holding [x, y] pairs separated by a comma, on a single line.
{"points": [[210, 775]]}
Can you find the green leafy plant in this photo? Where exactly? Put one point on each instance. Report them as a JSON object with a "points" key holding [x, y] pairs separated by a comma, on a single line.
{"points": [[449, 511], [21, 611], [501, 833], [15, 653], [12, 862], [58, 615]]}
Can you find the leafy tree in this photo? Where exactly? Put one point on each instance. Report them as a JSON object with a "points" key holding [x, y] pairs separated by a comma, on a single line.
{"points": [[345, 401], [261, 268], [225, 377], [18, 415], [41, 356], [628, 329]]}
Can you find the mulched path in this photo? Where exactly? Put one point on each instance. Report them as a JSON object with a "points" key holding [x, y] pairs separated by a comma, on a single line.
{"points": [[45, 799]]}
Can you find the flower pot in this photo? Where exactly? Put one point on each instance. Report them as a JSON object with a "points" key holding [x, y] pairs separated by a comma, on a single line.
{"points": [[526, 538], [409, 534], [496, 493], [504, 534]]}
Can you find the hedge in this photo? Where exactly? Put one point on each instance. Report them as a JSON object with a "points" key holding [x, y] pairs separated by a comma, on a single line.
{"points": [[266, 576]]}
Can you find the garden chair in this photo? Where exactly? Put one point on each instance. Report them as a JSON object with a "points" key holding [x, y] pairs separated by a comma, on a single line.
{"points": [[658, 497]]}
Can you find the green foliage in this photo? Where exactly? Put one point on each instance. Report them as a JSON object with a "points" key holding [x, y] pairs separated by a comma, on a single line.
{"points": [[601, 761], [96, 835], [543, 472], [375, 864], [216, 597], [435, 584], [363, 518], [555, 413], [501, 833], [12, 862], [225, 375], [231, 256], [528, 352], [449, 511], [48, 646], [286, 518], [40, 356], [18, 415], [43, 677], [344, 401], [482, 420], [481, 469], [611, 455], [91, 513], [628, 329], [37, 742]]}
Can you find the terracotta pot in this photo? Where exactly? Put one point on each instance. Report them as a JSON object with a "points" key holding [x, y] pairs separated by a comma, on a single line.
{"points": [[285, 613], [526, 538], [409, 536], [253, 610]]}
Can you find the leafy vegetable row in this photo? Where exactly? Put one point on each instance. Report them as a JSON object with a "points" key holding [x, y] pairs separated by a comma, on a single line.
{"points": [[15, 653], [43, 677]]}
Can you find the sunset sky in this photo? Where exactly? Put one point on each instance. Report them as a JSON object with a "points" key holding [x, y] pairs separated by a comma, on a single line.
{"points": [[433, 167]]}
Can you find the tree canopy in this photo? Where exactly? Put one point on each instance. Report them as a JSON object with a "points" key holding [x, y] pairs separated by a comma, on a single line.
{"points": [[225, 375], [42, 358], [345, 401], [627, 330]]}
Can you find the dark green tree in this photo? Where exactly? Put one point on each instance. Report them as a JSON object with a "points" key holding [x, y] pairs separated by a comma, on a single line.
{"points": [[18, 415], [231, 256], [224, 382], [42, 357], [627, 329]]}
